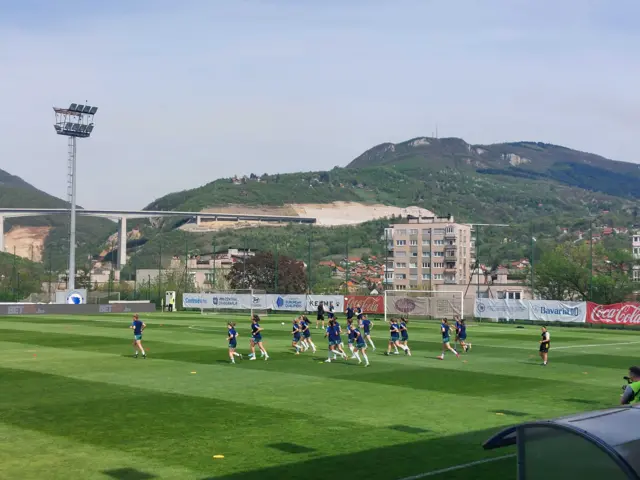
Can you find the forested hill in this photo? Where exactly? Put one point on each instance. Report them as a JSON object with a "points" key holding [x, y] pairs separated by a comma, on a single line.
{"points": [[528, 160]]}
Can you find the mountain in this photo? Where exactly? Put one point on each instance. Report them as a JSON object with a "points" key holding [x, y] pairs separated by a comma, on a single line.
{"points": [[530, 160], [45, 238]]}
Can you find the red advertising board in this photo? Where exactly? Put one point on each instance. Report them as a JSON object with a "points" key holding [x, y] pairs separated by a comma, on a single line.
{"points": [[368, 303], [627, 313]]}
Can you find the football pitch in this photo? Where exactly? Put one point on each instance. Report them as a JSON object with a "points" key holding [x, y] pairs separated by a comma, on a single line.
{"points": [[75, 404]]}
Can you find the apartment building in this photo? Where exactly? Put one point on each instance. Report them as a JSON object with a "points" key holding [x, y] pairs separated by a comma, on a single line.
{"points": [[635, 245], [428, 251]]}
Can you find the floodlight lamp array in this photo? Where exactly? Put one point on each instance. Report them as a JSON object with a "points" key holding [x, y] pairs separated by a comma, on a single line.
{"points": [[75, 121]]}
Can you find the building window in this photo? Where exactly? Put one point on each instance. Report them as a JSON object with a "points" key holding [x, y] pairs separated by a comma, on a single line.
{"points": [[438, 265], [413, 231], [426, 276], [426, 231], [426, 254], [401, 265], [413, 277], [413, 265], [413, 243], [437, 276], [636, 250], [401, 231], [426, 241], [400, 276], [438, 231], [438, 242], [509, 295], [401, 243], [636, 274], [450, 229], [389, 276], [400, 254], [438, 254], [414, 254], [401, 287], [636, 239], [426, 265], [208, 277]]}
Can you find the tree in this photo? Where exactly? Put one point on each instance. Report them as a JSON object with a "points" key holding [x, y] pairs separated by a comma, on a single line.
{"points": [[259, 272], [565, 273]]}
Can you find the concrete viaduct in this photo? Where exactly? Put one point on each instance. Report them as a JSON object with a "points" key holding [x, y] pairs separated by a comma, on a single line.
{"points": [[122, 215]]}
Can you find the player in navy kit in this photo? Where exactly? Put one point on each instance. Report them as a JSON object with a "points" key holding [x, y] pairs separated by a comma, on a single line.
{"points": [[462, 335], [350, 313], [456, 340], [445, 330], [331, 313], [366, 326], [256, 339], [232, 339], [404, 335], [351, 337], [394, 337], [359, 312], [333, 334], [306, 334], [297, 336], [138, 326], [361, 347]]}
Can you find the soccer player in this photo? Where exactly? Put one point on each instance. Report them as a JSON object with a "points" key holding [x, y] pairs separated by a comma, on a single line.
{"points": [[456, 340], [351, 336], [331, 313], [361, 347], [138, 326], [297, 336], [349, 312], [394, 336], [256, 339], [445, 329], [462, 336], [232, 339], [404, 334], [545, 343], [320, 316], [366, 325], [338, 331], [306, 334], [359, 312], [334, 342]]}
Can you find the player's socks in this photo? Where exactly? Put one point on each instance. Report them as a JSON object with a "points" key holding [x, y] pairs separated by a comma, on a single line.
{"points": [[357, 357], [366, 359], [372, 345], [142, 350]]}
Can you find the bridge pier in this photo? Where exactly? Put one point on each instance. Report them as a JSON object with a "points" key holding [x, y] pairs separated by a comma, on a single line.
{"points": [[122, 243], [198, 220]]}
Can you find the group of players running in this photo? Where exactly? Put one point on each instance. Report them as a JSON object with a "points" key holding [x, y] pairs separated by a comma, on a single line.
{"points": [[358, 334]]}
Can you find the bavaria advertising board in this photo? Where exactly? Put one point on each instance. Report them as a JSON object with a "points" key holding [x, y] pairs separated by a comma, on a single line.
{"points": [[368, 303], [627, 313], [538, 310]]}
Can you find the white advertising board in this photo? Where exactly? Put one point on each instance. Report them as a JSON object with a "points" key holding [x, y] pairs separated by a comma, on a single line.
{"points": [[538, 310]]}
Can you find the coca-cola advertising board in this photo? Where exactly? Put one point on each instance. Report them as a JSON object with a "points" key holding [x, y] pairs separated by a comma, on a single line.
{"points": [[627, 313], [368, 303]]}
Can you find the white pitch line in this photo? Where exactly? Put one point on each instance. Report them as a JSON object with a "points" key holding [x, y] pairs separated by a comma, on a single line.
{"points": [[594, 345], [458, 467]]}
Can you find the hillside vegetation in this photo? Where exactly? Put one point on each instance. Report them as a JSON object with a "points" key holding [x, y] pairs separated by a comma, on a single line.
{"points": [[16, 193]]}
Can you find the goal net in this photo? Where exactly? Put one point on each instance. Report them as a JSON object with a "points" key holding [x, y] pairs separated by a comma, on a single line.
{"points": [[251, 301], [427, 304]]}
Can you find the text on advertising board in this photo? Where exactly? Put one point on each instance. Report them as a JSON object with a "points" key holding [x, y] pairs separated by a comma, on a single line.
{"points": [[617, 314], [368, 303]]}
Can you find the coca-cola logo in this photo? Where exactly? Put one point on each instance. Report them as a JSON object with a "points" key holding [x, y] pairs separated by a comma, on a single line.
{"points": [[405, 305], [369, 304], [619, 314]]}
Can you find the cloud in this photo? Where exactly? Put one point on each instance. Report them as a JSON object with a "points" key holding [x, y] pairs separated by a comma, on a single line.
{"points": [[197, 90]]}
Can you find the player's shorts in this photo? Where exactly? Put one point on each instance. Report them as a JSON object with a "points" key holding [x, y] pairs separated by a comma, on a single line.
{"points": [[367, 331], [320, 317], [360, 317], [137, 337], [350, 341], [330, 315], [446, 339], [360, 345], [333, 343], [394, 338], [256, 338], [233, 344], [296, 338], [544, 347], [405, 337], [306, 334], [463, 337]]}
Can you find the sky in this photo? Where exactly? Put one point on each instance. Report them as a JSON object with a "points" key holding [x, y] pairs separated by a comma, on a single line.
{"points": [[196, 90]]}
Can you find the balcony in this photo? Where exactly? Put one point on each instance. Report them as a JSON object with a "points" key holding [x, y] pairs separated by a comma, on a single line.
{"points": [[450, 280], [451, 235], [450, 255], [450, 268]]}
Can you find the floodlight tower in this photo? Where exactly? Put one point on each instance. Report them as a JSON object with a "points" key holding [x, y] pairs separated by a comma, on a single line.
{"points": [[73, 122]]}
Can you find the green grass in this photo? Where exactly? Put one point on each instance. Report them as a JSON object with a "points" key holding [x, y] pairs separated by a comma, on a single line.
{"points": [[74, 404]]}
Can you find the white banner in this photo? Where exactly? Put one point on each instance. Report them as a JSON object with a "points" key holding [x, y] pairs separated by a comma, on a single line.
{"points": [[495, 308], [335, 300], [291, 303], [232, 301], [539, 310]]}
